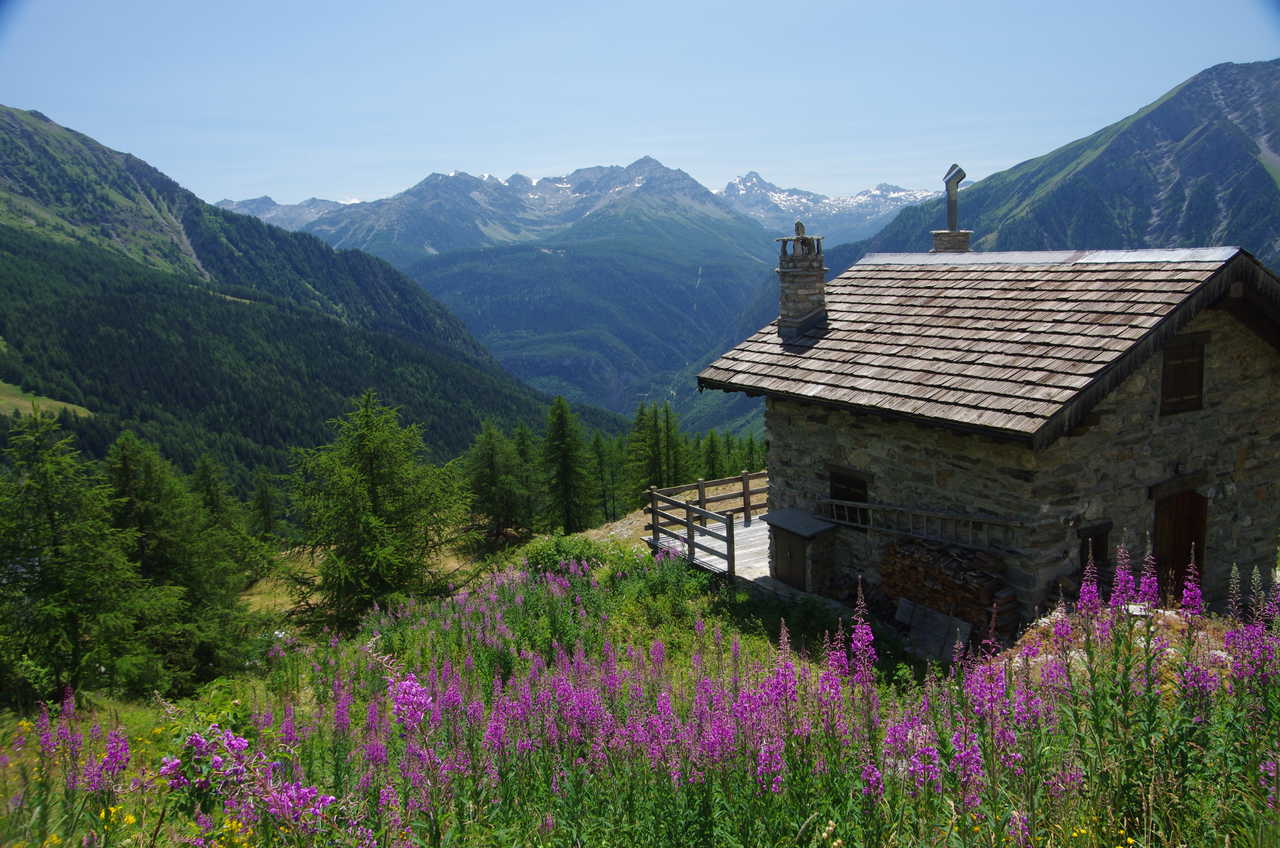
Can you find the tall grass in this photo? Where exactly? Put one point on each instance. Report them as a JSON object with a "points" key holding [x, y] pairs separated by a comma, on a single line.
{"points": [[569, 702]]}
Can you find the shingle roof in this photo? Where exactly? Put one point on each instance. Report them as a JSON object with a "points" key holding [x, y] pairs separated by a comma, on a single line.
{"points": [[1016, 344]]}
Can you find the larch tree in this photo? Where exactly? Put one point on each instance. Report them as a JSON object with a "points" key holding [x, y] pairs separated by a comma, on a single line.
{"points": [[375, 516], [564, 462]]}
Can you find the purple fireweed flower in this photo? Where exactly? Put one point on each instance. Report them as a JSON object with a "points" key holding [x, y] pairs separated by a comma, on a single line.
{"points": [[1198, 680], [1192, 600], [1149, 582], [923, 768], [288, 730], [1064, 782], [657, 654], [984, 686], [1122, 588], [410, 701], [99, 773], [1253, 651], [1019, 830], [1028, 708], [1270, 781], [872, 782], [966, 764], [45, 733], [293, 801], [769, 765], [1089, 604], [863, 652], [1061, 628], [171, 768]]}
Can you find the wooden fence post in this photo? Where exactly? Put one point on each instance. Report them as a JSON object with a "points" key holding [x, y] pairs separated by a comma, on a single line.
{"points": [[653, 516], [746, 498], [691, 527], [701, 503], [728, 548]]}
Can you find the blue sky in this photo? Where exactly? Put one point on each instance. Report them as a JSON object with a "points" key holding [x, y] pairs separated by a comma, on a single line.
{"points": [[361, 100]]}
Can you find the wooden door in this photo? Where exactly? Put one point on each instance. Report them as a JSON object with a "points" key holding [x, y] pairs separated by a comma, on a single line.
{"points": [[789, 558], [1181, 519]]}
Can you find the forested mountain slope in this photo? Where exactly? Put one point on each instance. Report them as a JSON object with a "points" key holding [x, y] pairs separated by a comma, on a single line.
{"points": [[1198, 167], [208, 330]]}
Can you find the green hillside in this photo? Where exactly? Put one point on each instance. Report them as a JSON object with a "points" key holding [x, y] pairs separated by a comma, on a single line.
{"points": [[207, 330]]}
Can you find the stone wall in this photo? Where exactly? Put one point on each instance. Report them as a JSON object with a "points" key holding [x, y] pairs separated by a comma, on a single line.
{"points": [[904, 463], [1106, 472], [1100, 473]]}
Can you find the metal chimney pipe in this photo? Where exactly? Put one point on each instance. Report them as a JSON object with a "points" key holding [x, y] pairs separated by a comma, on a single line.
{"points": [[955, 174]]}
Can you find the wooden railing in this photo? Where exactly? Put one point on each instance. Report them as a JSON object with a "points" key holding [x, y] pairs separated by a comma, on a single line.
{"points": [[982, 532], [691, 516], [743, 496]]}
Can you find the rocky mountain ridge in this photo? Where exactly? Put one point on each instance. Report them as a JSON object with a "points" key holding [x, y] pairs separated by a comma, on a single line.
{"points": [[838, 219], [290, 216], [1196, 168]]}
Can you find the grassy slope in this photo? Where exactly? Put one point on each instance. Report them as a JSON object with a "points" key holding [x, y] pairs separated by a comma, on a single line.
{"points": [[14, 399]]}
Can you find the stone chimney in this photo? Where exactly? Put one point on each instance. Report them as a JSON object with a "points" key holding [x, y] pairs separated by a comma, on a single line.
{"points": [[952, 239], [802, 299]]}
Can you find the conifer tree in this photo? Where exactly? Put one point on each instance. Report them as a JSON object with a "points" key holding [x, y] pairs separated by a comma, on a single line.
{"points": [[564, 460], [492, 467], [527, 477], [713, 465], [74, 610], [264, 507], [644, 450], [606, 462], [180, 542], [375, 516]]}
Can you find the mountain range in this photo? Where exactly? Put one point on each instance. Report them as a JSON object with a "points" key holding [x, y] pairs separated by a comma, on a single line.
{"points": [[601, 285], [607, 284], [290, 216], [837, 219], [206, 330]]}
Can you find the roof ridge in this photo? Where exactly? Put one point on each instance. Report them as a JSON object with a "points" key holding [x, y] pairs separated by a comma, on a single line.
{"points": [[1056, 257]]}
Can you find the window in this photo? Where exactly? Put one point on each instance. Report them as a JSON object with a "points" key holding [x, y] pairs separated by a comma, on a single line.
{"points": [[1182, 379], [849, 485]]}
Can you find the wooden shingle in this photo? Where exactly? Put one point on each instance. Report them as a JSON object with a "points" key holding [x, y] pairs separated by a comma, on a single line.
{"points": [[1007, 343]]}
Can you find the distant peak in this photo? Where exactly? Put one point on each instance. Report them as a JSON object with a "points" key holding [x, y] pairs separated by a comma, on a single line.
{"points": [[646, 163]]}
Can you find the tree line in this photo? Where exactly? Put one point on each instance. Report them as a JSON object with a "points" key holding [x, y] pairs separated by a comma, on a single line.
{"points": [[571, 479]]}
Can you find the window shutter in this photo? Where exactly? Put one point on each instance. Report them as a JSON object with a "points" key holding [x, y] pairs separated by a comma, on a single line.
{"points": [[1182, 380]]}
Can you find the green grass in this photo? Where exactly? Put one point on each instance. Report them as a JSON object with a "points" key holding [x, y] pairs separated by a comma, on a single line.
{"points": [[14, 399]]}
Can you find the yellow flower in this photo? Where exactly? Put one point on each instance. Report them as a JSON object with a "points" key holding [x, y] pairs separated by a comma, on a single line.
{"points": [[25, 726], [130, 818]]}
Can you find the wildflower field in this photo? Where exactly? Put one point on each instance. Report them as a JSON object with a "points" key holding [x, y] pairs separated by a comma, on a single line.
{"points": [[617, 700]]}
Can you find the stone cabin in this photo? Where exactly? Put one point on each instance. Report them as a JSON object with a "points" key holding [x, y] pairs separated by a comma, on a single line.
{"points": [[967, 426]]}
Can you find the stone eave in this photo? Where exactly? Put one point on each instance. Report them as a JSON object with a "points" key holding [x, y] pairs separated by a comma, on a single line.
{"points": [[958, 426]]}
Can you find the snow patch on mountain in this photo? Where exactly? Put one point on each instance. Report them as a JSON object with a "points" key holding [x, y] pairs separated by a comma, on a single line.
{"points": [[839, 219]]}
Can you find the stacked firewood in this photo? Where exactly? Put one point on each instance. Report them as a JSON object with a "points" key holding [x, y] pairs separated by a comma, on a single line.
{"points": [[955, 581]]}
